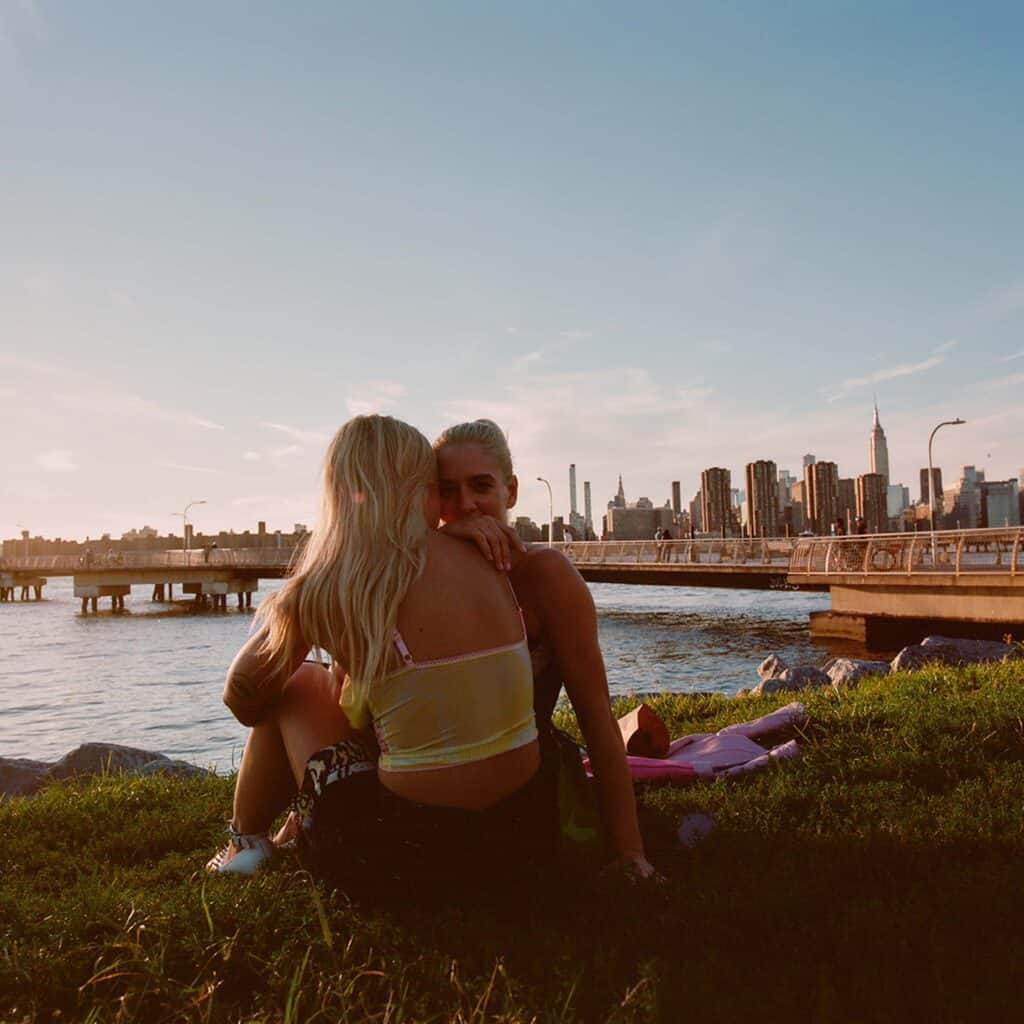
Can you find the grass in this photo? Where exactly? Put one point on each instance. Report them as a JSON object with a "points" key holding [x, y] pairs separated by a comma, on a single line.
{"points": [[878, 878]]}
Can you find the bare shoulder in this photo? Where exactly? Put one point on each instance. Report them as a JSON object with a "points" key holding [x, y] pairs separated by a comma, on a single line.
{"points": [[549, 582], [547, 565]]}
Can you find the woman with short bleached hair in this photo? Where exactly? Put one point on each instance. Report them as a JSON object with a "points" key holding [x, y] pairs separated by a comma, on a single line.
{"points": [[477, 488]]}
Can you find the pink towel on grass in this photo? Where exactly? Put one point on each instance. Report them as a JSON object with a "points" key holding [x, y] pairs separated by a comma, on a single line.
{"points": [[730, 751]]}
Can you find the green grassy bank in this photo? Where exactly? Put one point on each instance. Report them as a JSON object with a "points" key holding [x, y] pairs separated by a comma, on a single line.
{"points": [[878, 878]]}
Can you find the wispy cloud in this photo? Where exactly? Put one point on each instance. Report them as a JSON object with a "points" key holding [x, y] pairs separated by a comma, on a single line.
{"points": [[1010, 358], [575, 334], [946, 346], [185, 468], [375, 396], [852, 384], [60, 460]]}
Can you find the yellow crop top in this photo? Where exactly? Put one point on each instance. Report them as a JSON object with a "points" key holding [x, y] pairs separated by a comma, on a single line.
{"points": [[436, 714]]}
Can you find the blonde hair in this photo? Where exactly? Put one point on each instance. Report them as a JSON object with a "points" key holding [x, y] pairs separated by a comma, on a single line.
{"points": [[368, 547], [485, 433]]}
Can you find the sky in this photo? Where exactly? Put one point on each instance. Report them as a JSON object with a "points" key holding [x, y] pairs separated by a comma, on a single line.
{"points": [[644, 238]]}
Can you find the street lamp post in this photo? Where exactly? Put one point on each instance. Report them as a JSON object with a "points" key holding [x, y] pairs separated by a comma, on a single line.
{"points": [[551, 511], [931, 478], [184, 524]]}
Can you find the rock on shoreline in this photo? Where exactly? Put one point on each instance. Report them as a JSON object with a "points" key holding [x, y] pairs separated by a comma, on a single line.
{"points": [[845, 673], [23, 777]]}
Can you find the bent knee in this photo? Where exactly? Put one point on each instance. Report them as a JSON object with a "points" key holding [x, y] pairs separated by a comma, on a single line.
{"points": [[311, 684]]}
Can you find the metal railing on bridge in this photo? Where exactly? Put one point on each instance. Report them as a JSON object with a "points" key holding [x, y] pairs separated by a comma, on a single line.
{"points": [[215, 558], [948, 553], [724, 551]]}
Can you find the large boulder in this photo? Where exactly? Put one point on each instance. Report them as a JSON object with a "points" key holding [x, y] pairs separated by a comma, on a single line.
{"points": [[806, 677], [772, 667], [952, 651], [96, 758], [972, 651], [845, 673], [19, 776]]}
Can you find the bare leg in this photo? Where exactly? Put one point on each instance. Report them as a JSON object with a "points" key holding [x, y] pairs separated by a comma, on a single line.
{"points": [[306, 719]]}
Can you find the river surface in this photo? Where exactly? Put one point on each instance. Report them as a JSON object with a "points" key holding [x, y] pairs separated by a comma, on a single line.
{"points": [[152, 676]]}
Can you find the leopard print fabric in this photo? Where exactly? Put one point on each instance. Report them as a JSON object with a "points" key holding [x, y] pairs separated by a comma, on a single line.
{"points": [[341, 761]]}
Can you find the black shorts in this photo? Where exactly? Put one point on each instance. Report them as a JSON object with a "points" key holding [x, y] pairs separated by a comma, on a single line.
{"points": [[359, 836]]}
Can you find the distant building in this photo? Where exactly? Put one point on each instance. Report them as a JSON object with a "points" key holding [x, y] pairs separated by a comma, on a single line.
{"points": [[527, 529], [871, 502], [762, 480], [821, 482], [677, 498], [847, 501], [809, 460], [897, 498], [696, 515], [879, 449], [798, 508], [637, 521], [588, 518], [1000, 503], [619, 501], [786, 481], [936, 483], [961, 505], [716, 501]]}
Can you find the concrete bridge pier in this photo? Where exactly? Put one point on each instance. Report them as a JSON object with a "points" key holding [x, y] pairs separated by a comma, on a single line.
{"points": [[90, 593], [215, 592], [28, 585]]}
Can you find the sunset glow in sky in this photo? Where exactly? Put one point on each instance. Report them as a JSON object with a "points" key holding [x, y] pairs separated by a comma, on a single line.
{"points": [[644, 238]]}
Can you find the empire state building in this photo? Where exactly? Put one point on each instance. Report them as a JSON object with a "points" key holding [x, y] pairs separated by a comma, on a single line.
{"points": [[879, 449]]}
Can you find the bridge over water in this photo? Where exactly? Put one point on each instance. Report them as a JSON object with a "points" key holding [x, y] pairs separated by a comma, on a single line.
{"points": [[917, 580]]}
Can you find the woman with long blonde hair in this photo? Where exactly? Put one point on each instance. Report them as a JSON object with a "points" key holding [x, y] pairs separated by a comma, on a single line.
{"points": [[416, 755]]}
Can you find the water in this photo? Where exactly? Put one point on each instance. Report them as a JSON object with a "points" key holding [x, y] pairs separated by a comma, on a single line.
{"points": [[152, 677]]}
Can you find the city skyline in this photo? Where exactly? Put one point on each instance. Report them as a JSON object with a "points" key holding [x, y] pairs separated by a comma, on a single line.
{"points": [[704, 237]]}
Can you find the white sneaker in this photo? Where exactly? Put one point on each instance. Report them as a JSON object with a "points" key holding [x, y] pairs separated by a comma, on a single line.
{"points": [[244, 854]]}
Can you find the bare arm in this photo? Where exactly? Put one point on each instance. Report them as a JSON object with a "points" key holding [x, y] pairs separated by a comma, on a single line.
{"points": [[253, 684], [498, 543], [569, 625]]}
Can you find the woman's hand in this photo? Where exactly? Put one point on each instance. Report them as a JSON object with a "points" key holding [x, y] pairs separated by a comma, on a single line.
{"points": [[497, 542], [633, 868]]}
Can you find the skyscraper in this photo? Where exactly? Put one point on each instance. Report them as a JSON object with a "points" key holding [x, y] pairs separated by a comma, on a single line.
{"points": [[716, 501], [619, 501], [572, 489], [762, 498], [821, 491], [879, 449], [936, 484], [677, 498], [588, 519], [871, 502]]}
